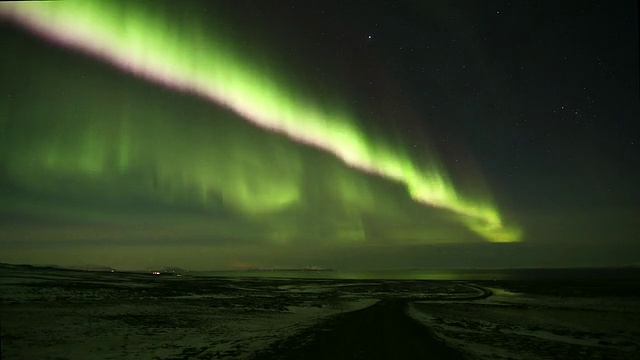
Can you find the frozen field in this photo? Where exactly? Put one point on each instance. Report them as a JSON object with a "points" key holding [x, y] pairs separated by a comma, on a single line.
{"points": [[61, 314], [540, 320], [79, 315]]}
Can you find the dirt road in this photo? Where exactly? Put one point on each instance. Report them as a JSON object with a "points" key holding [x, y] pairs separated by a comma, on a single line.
{"points": [[381, 331]]}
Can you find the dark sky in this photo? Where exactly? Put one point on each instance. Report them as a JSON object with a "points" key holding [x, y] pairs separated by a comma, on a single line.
{"points": [[353, 135]]}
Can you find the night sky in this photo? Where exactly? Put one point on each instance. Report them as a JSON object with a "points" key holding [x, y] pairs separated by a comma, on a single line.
{"points": [[351, 135]]}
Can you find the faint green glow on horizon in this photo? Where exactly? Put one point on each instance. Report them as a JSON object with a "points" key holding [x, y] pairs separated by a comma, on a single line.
{"points": [[193, 60]]}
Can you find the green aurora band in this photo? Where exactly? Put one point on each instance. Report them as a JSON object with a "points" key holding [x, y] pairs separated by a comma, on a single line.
{"points": [[153, 46]]}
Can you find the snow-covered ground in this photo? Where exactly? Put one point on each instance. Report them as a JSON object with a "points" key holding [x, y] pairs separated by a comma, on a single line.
{"points": [[520, 325], [60, 314], [80, 315]]}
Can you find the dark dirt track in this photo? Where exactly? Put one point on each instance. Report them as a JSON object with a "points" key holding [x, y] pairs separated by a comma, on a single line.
{"points": [[381, 331]]}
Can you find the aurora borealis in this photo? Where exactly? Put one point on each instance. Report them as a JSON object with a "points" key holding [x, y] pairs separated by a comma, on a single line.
{"points": [[130, 126]]}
